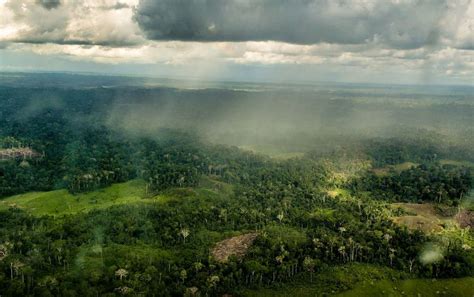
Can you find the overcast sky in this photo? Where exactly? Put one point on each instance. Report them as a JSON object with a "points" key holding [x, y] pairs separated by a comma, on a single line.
{"points": [[381, 41]]}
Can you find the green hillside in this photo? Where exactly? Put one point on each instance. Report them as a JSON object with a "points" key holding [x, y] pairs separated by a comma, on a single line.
{"points": [[61, 202]]}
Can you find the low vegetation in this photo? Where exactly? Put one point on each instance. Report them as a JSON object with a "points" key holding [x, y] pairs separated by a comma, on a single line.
{"points": [[61, 202]]}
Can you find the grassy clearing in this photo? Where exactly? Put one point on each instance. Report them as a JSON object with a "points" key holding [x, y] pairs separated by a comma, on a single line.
{"points": [[420, 216], [359, 280], [463, 287], [329, 281], [426, 217], [61, 202], [397, 168], [456, 163]]}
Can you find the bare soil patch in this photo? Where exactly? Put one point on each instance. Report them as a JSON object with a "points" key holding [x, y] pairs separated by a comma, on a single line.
{"points": [[234, 246], [13, 153], [465, 218], [421, 217]]}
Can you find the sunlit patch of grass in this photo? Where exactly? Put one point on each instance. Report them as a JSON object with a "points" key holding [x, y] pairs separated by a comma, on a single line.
{"points": [[338, 192], [415, 287], [456, 163], [420, 216], [360, 280], [61, 202], [329, 281], [404, 166]]}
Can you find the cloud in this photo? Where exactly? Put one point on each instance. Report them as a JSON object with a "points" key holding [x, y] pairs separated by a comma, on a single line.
{"points": [[49, 4], [398, 24], [373, 37], [395, 24], [85, 22]]}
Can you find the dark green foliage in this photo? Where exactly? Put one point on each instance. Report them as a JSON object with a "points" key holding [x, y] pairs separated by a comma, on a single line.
{"points": [[395, 151], [434, 183]]}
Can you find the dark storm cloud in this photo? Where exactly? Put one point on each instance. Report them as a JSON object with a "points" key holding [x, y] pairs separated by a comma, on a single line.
{"points": [[408, 24], [49, 4], [106, 43]]}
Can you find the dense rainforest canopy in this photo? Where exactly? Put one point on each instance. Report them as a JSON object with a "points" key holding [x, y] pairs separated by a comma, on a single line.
{"points": [[327, 207]]}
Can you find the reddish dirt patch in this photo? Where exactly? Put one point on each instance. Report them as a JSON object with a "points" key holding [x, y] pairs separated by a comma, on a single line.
{"points": [[465, 218], [422, 217], [234, 246]]}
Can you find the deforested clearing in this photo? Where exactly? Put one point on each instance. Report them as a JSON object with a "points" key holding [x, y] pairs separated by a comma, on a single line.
{"points": [[421, 216], [234, 246]]}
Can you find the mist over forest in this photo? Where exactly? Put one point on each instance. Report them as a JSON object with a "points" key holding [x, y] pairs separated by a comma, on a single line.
{"points": [[300, 118], [201, 188]]}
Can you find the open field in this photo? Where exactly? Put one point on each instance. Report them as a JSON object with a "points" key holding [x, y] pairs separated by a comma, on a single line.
{"points": [[421, 216], [397, 168], [414, 287], [61, 202], [457, 163], [360, 280], [463, 287]]}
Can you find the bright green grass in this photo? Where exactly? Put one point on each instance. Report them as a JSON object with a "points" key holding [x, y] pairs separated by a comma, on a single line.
{"points": [[61, 202], [462, 287], [360, 280], [335, 192]]}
